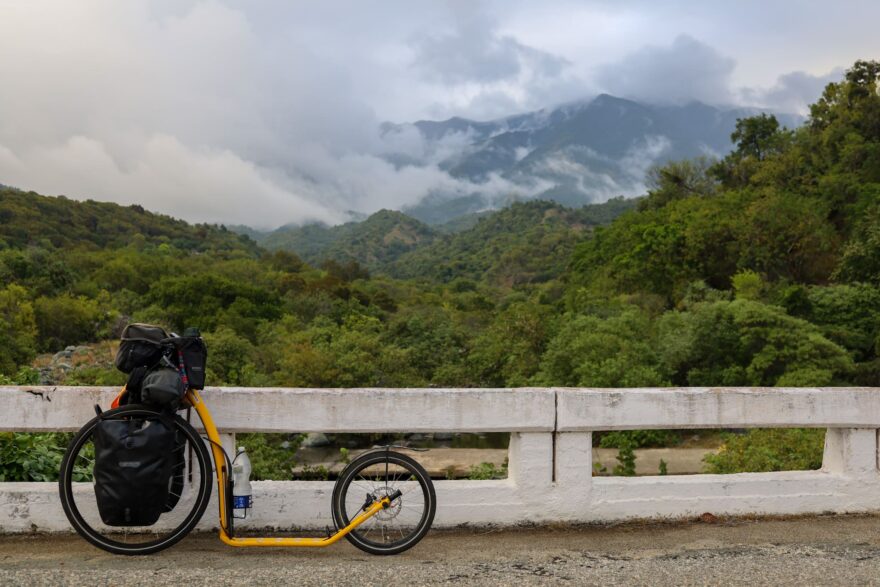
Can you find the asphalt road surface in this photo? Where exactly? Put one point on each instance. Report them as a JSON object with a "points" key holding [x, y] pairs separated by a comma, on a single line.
{"points": [[826, 550]]}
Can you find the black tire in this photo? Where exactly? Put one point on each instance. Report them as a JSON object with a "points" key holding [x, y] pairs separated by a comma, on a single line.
{"points": [[181, 516], [380, 473]]}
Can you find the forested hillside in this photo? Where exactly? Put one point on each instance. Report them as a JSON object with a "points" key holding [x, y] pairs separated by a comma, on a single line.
{"points": [[759, 269], [29, 219], [529, 242], [374, 242], [526, 242]]}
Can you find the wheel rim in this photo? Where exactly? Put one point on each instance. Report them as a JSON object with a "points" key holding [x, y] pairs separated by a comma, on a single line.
{"points": [[191, 478], [404, 521]]}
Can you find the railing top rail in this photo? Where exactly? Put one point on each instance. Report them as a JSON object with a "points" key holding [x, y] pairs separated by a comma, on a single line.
{"points": [[56, 408], [717, 407], [30, 408]]}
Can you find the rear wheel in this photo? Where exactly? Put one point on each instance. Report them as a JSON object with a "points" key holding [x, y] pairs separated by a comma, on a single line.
{"points": [[189, 488], [373, 476]]}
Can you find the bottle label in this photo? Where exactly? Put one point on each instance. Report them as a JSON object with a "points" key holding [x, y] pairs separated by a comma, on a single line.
{"points": [[240, 502]]}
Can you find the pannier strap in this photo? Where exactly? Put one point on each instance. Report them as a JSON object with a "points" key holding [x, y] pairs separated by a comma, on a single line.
{"points": [[182, 368]]}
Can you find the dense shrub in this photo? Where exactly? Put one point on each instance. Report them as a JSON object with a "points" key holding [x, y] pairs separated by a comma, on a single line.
{"points": [[744, 342], [67, 320], [777, 449], [18, 329], [271, 455], [31, 457], [590, 351]]}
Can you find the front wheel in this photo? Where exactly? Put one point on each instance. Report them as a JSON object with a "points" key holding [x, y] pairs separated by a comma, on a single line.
{"points": [[371, 477]]}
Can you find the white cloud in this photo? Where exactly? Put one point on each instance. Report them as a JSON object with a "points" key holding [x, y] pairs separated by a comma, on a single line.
{"points": [[474, 52], [167, 176], [200, 112], [793, 92], [485, 73], [686, 70]]}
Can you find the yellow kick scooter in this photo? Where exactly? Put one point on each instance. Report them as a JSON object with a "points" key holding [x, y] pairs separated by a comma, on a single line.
{"points": [[383, 501]]}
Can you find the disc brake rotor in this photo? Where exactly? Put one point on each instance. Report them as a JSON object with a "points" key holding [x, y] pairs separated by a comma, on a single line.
{"points": [[392, 510]]}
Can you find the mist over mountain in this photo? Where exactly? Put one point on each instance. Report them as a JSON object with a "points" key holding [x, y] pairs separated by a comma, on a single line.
{"points": [[577, 153]]}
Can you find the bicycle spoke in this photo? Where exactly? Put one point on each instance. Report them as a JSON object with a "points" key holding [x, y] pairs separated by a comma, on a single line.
{"points": [[367, 489], [369, 525], [414, 486], [371, 483], [409, 512]]}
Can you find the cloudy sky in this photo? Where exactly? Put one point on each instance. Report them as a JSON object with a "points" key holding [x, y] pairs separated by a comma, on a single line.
{"points": [[268, 112]]}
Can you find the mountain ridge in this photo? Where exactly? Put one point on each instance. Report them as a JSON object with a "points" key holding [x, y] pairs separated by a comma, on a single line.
{"points": [[580, 152], [32, 219], [372, 242], [525, 242]]}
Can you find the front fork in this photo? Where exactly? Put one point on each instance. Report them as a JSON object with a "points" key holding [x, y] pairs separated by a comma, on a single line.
{"points": [[386, 501]]}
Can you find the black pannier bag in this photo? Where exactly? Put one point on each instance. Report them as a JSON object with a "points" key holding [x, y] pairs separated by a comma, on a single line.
{"points": [[141, 346], [195, 357], [162, 386], [134, 459]]}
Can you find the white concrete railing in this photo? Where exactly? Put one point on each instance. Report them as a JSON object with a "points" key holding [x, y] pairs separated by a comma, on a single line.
{"points": [[550, 458]]}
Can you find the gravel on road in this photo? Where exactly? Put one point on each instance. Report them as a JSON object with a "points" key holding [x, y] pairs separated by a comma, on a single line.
{"points": [[825, 550]]}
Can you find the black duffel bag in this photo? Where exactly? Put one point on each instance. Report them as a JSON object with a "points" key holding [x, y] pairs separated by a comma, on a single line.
{"points": [[141, 347], [134, 461], [162, 386]]}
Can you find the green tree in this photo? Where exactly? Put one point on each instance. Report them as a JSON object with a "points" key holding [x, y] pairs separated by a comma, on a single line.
{"points": [[435, 345], [18, 329], [842, 142], [677, 180], [849, 315], [662, 250], [788, 237], [756, 136], [508, 352], [861, 255], [744, 342], [231, 358], [757, 139], [341, 355], [616, 351], [209, 300], [67, 320], [748, 285]]}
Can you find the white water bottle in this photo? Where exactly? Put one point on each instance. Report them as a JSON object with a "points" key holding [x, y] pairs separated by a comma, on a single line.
{"points": [[242, 496]]}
